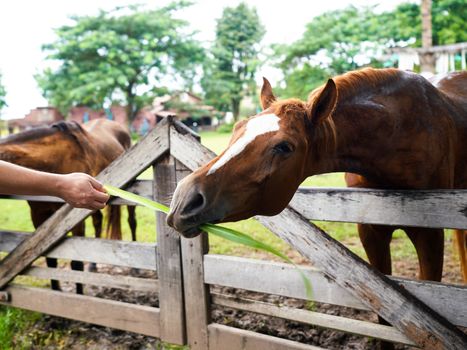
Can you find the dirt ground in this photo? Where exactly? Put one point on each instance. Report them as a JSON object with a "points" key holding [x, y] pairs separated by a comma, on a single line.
{"points": [[67, 334]]}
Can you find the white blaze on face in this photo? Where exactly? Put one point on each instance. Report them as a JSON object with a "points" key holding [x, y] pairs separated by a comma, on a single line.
{"points": [[255, 127]]}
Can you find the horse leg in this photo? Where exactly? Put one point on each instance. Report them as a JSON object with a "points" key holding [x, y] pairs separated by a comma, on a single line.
{"points": [[132, 221], [97, 223], [460, 237], [78, 231], [376, 241], [114, 230], [429, 244]]}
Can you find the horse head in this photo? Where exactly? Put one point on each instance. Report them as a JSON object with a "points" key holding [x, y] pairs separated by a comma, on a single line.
{"points": [[268, 156]]}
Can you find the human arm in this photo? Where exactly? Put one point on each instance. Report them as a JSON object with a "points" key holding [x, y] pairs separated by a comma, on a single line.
{"points": [[78, 189]]}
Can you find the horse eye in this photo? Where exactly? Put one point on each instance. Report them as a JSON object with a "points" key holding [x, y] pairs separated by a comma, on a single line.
{"points": [[283, 148]]}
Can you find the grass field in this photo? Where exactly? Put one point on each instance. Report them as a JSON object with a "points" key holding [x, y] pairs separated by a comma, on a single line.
{"points": [[14, 215]]}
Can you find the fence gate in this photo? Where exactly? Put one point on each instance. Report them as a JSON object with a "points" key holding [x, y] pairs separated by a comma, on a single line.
{"points": [[185, 271]]}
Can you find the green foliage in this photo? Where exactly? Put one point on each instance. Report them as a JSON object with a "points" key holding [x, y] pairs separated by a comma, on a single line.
{"points": [[194, 111], [108, 57], [301, 81], [225, 128], [12, 323], [404, 23], [230, 69], [2, 94], [343, 37]]}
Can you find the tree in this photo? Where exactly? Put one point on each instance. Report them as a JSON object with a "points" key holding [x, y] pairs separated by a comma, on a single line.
{"points": [[346, 39], [229, 72], [301, 81], [427, 59], [2, 94], [115, 55]]}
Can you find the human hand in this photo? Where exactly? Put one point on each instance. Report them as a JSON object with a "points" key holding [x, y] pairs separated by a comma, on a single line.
{"points": [[82, 191]]}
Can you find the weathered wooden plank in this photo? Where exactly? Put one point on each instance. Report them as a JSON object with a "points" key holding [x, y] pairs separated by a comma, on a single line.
{"points": [[404, 311], [102, 251], [169, 260], [118, 173], [435, 209], [96, 279], [134, 318], [229, 338], [186, 149], [197, 300], [338, 323], [255, 275]]}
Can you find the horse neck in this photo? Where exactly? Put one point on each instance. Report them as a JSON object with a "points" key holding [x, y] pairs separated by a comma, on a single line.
{"points": [[391, 147]]}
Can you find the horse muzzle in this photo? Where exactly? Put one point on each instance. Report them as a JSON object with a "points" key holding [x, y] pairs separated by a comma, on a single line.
{"points": [[190, 209]]}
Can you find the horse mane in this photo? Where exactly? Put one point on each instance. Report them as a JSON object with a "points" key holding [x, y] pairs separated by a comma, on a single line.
{"points": [[353, 84]]}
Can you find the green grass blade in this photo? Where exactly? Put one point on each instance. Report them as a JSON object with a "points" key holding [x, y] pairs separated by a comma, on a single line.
{"points": [[117, 192], [220, 231], [241, 238]]}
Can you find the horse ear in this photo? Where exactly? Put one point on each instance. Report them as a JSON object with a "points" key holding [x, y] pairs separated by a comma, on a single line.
{"points": [[267, 97], [324, 102]]}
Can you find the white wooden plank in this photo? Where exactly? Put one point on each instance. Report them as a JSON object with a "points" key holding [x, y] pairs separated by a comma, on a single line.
{"points": [[255, 275], [103, 251], [196, 292], [338, 323], [228, 338], [96, 279], [435, 209], [134, 318], [186, 149], [169, 261]]}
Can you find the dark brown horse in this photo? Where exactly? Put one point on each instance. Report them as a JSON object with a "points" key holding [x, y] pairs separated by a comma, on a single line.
{"points": [[394, 128], [67, 147]]}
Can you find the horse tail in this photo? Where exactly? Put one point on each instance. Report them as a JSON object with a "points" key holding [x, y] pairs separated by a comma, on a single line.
{"points": [[460, 239], [114, 230]]}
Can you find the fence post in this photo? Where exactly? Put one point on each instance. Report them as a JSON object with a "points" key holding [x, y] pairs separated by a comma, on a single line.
{"points": [[169, 266], [197, 298]]}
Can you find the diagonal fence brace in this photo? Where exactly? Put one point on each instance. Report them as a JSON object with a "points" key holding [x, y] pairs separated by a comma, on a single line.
{"points": [[120, 172]]}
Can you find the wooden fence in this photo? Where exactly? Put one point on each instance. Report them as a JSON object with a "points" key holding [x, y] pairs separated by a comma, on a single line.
{"points": [[423, 314]]}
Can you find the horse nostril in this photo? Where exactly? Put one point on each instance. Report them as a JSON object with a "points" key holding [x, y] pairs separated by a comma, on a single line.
{"points": [[194, 204]]}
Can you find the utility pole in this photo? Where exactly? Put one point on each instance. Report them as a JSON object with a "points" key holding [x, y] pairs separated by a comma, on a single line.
{"points": [[427, 57]]}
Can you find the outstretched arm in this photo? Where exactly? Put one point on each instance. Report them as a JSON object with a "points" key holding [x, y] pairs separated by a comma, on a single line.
{"points": [[78, 189]]}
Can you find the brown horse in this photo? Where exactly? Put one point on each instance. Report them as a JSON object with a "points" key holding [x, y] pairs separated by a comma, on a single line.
{"points": [[394, 128], [67, 147]]}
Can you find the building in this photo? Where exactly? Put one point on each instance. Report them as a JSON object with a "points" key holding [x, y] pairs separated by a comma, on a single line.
{"points": [[186, 106], [40, 116], [82, 114], [446, 57]]}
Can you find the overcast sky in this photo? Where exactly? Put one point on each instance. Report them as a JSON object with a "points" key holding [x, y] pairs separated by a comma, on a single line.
{"points": [[26, 25]]}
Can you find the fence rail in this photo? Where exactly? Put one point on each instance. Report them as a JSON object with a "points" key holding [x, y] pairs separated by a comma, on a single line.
{"points": [[109, 313], [103, 251], [185, 270]]}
